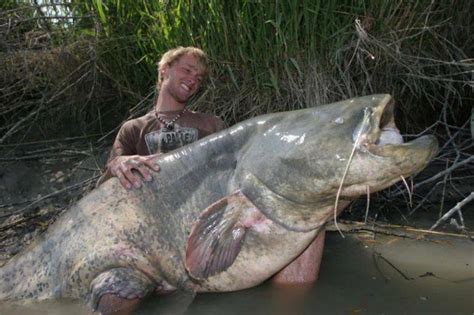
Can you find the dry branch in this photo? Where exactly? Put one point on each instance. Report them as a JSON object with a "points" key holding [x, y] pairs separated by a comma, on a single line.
{"points": [[456, 209], [389, 229]]}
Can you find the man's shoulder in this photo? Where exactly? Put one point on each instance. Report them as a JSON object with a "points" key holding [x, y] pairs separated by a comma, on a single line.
{"points": [[204, 116], [210, 120], [138, 122]]}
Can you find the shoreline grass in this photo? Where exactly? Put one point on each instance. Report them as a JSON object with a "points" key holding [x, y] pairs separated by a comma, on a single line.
{"points": [[266, 56]]}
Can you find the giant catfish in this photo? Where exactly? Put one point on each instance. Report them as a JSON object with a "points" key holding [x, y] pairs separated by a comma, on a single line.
{"points": [[224, 213]]}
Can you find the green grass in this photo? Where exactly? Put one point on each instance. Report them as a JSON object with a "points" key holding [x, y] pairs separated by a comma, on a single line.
{"points": [[266, 56]]}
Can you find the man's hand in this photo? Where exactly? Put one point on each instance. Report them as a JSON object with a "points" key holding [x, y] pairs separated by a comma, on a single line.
{"points": [[122, 167]]}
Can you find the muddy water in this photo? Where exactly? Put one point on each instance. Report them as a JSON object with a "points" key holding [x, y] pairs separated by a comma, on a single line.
{"points": [[359, 275]]}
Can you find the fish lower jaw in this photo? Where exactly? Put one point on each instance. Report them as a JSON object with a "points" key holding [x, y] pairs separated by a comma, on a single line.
{"points": [[356, 190]]}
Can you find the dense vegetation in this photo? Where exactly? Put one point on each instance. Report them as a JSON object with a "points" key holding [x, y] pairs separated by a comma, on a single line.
{"points": [[91, 64]]}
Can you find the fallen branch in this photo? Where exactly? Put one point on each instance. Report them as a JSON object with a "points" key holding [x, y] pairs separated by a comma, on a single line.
{"points": [[376, 256], [394, 230], [455, 209]]}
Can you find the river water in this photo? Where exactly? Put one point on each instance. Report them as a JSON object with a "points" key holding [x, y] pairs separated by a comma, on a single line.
{"points": [[359, 275]]}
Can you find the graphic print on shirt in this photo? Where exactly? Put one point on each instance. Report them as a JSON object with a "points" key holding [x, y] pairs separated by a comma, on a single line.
{"points": [[165, 140]]}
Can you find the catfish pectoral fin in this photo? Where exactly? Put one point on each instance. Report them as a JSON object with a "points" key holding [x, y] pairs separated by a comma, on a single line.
{"points": [[217, 236]]}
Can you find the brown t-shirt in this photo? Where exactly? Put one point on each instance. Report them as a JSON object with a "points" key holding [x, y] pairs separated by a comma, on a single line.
{"points": [[145, 135]]}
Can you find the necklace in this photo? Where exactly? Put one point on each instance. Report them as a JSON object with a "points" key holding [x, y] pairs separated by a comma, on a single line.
{"points": [[169, 125]]}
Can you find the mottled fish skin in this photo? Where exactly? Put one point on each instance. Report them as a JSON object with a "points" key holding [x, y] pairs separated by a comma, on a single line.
{"points": [[270, 180]]}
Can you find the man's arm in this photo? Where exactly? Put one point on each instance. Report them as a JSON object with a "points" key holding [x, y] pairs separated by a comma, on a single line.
{"points": [[124, 163], [304, 270]]}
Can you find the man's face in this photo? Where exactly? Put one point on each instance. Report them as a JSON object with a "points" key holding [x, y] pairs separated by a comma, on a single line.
{"points": [[183, 78]]}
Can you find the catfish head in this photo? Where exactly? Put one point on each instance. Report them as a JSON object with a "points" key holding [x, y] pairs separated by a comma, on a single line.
{"points": [[294, 167]]}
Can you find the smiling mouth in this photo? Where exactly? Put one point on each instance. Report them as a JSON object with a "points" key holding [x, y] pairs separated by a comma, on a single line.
{"points": [[185, 87]]}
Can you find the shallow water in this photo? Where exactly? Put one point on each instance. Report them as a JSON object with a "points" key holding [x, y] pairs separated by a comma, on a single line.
{"points": [[359, 275]]}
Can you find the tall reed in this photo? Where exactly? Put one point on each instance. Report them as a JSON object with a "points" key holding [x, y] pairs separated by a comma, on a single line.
{"points": [[268, 55], [279, 47]]}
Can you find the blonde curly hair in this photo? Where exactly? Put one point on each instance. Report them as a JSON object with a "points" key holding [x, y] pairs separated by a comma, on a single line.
{"points": [[173, 55]]}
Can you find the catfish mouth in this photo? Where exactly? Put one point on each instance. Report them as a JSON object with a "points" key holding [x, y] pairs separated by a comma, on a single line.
{"points": [[378, 134]]}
